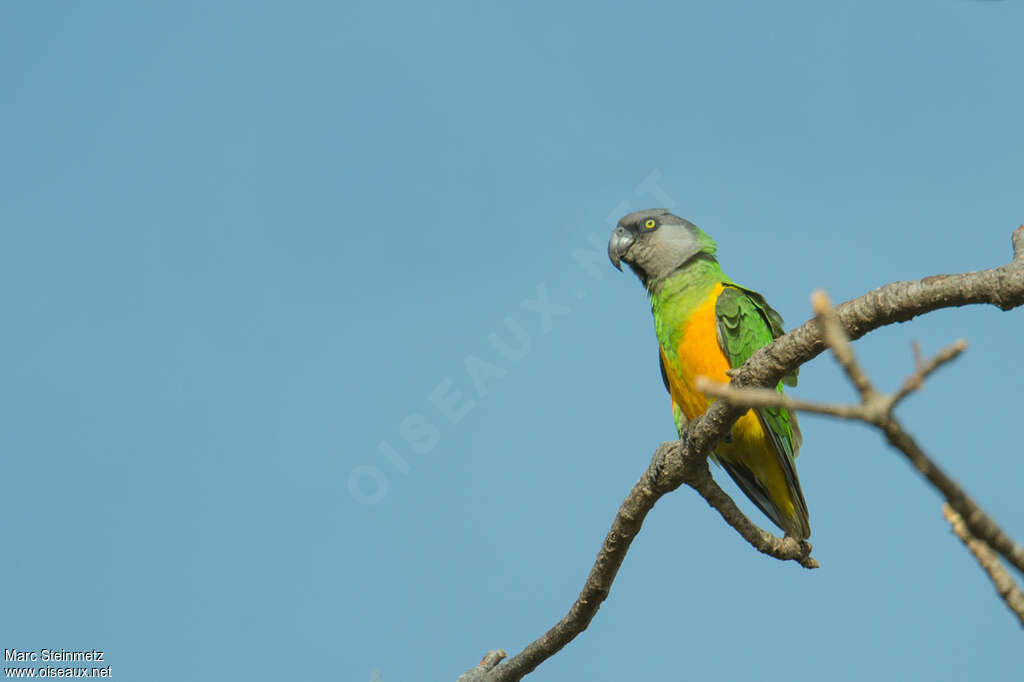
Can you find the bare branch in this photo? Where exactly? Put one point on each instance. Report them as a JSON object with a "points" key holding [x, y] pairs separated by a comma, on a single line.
{"points": [[671, 466], [766, 397], [1002, 287], [478, 672], [624, 528], [980, 524], [876, 409], [895, 302], [785, 548], [837, 340], [1004, 584]]}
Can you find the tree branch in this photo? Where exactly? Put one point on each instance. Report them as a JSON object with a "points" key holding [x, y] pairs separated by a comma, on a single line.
{"points": [[980, 524], [686, 460], [1002, 287], [671, 466], [876, 409], [1004, 584], [766, 397], [479, 672], [835, 338]]}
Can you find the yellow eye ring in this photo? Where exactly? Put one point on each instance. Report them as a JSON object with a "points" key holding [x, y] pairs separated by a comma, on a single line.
{"points": [[649, 223]]}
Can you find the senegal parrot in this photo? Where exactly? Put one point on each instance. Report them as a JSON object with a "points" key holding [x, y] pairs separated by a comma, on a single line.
{"points": [[705, 325]]}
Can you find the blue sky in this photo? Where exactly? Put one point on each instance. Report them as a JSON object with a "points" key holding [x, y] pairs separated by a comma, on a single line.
{"points": [[252, 421]]}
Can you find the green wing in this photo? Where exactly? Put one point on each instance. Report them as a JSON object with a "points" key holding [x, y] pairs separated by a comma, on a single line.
{"points": [[774, 320], [745, 323]]}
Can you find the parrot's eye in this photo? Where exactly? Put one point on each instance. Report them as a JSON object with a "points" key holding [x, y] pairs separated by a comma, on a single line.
{"points": [[649, 224]]}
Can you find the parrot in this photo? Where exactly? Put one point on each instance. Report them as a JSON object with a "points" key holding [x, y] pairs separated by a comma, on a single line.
{"points": [[706, 324]]}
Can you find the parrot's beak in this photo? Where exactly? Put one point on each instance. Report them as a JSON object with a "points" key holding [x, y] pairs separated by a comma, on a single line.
{"points": [[618, 245]]}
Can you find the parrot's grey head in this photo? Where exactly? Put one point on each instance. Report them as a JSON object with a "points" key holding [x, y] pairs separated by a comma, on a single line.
{"points": [[655, 243]]}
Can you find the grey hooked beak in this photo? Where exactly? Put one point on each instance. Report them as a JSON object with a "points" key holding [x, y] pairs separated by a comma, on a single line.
{"points": [[618, 245]]}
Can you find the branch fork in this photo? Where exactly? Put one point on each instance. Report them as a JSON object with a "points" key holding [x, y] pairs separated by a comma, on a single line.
{"points": [[685, 461]]}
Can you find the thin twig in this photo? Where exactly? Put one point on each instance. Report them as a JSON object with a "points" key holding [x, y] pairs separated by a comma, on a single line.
{"points": [[766, 397], [915, 348], [924, 369], [1001, 579]]}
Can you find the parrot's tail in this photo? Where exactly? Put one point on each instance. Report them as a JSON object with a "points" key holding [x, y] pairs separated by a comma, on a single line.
{"points": [[789, 514]]}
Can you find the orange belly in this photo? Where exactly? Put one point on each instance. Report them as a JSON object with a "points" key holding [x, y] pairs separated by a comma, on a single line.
{"points": [[699, 354]]}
